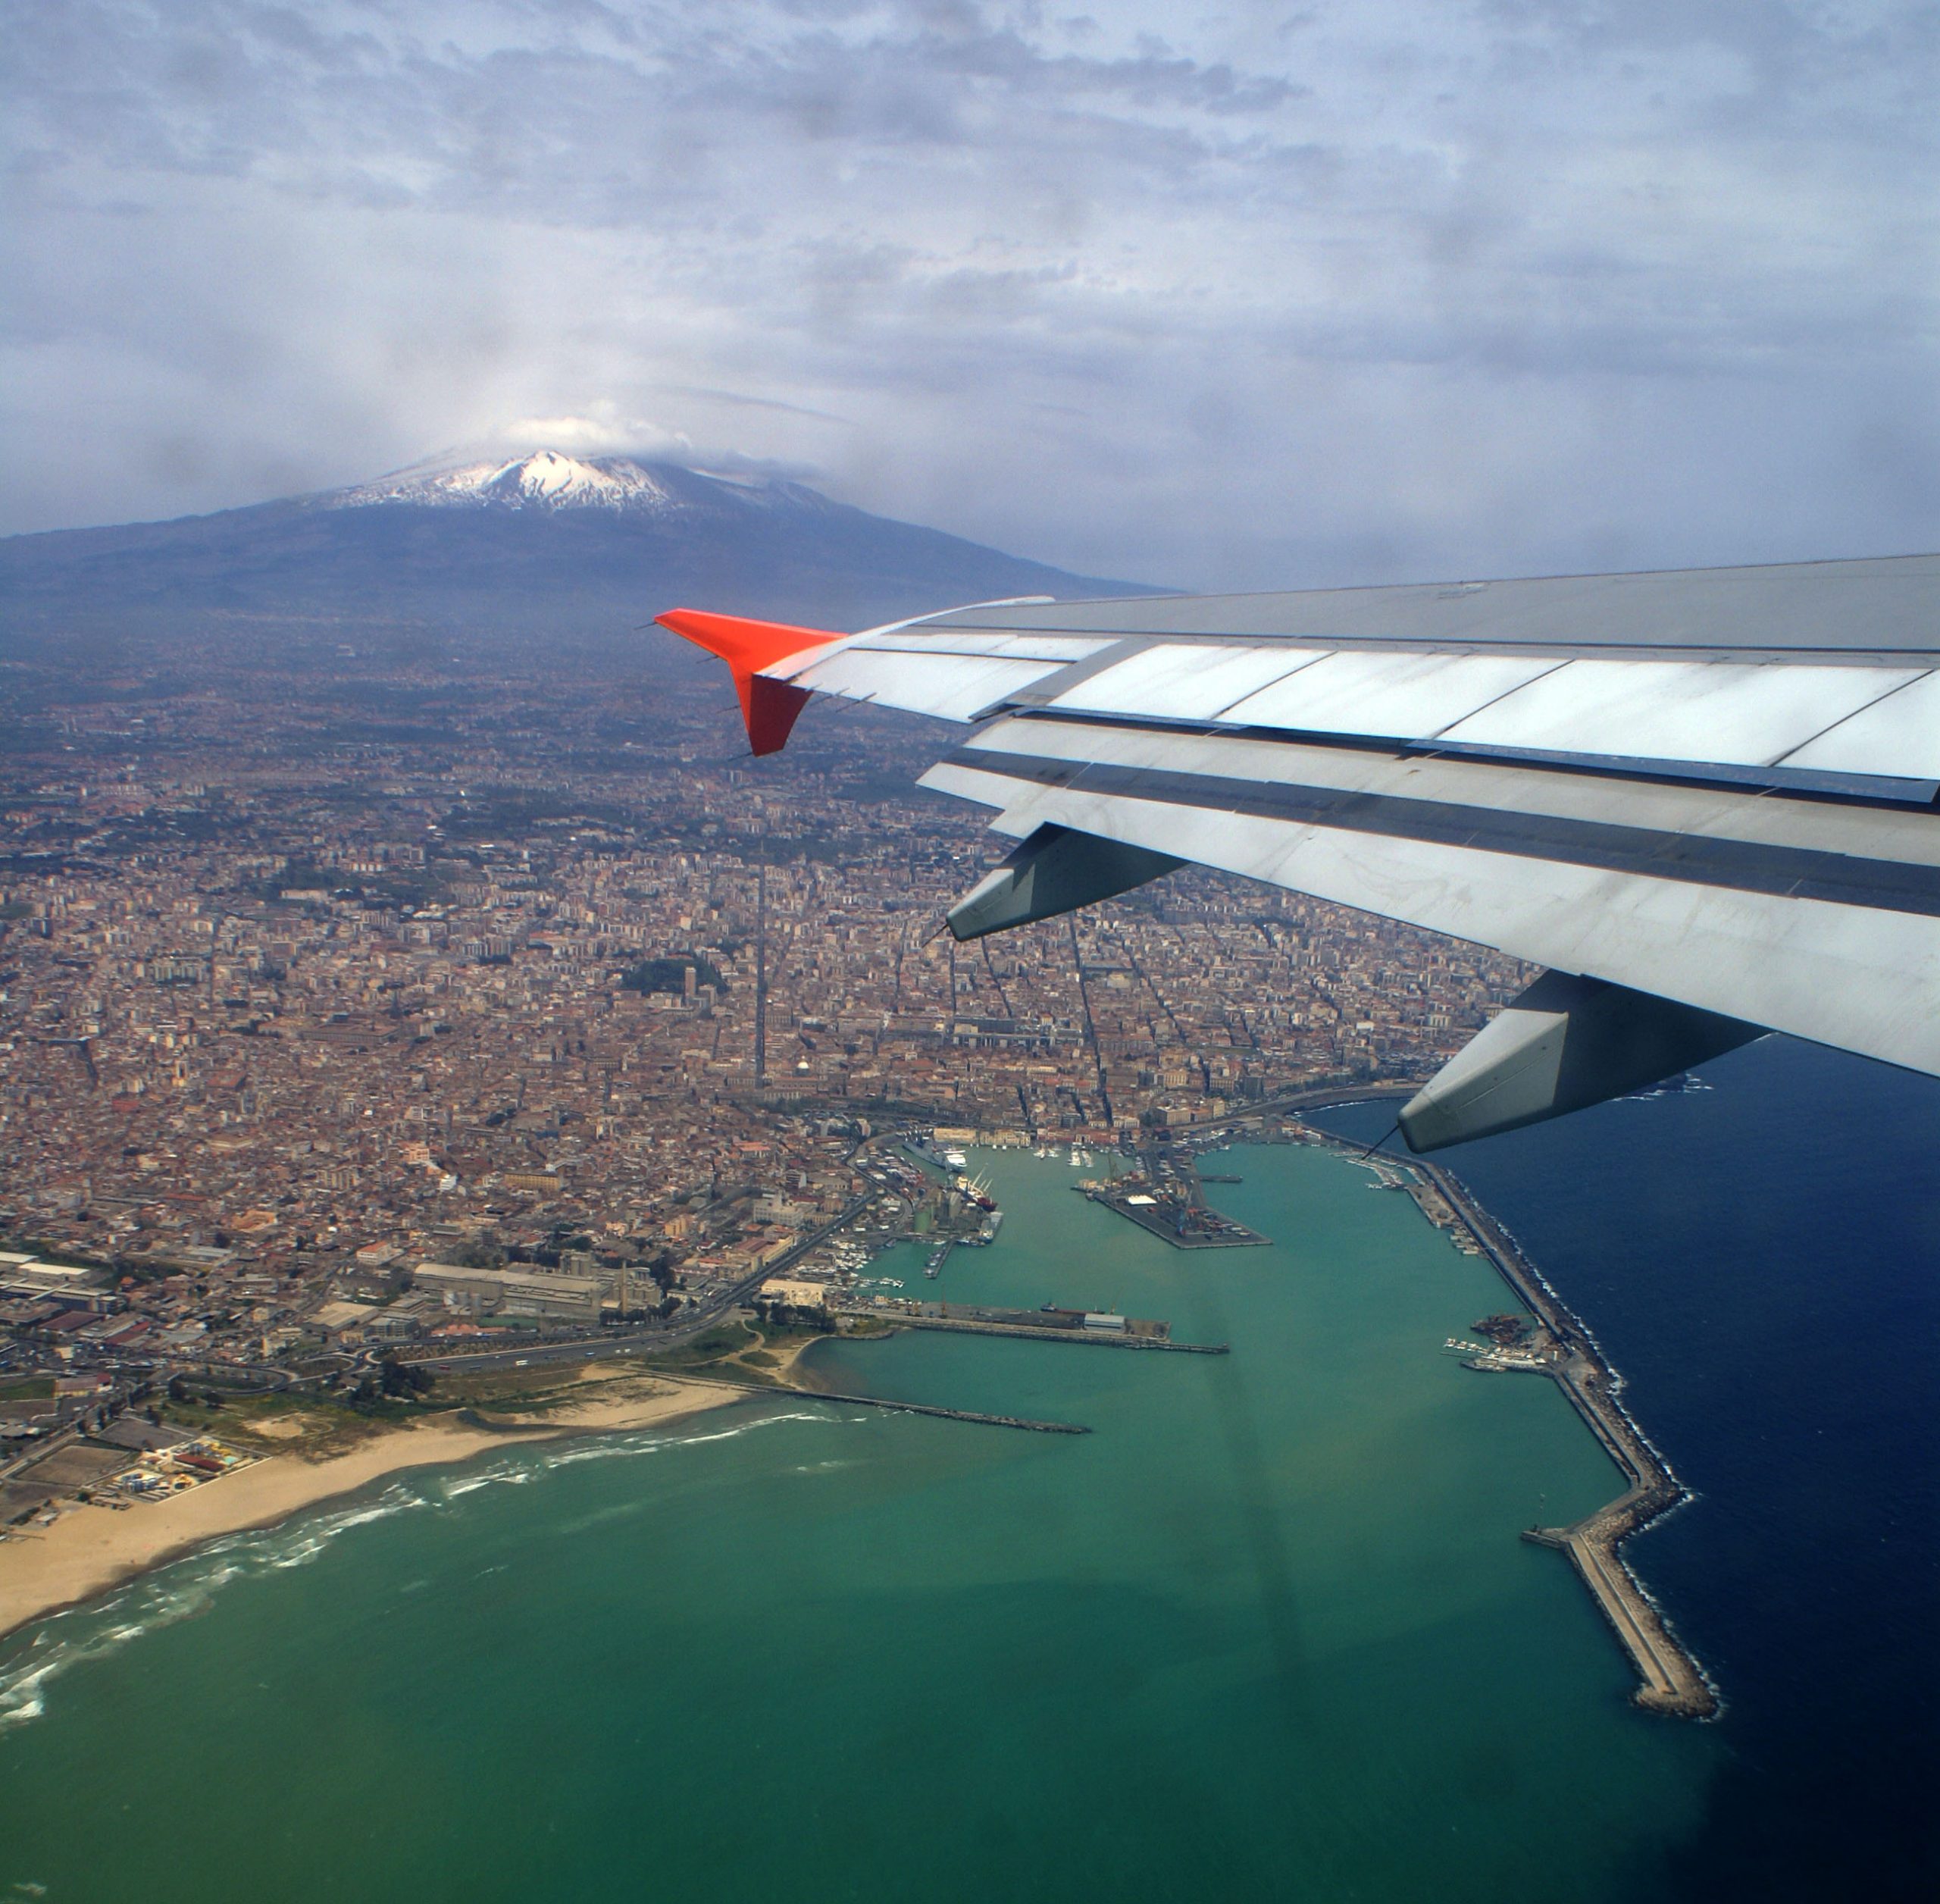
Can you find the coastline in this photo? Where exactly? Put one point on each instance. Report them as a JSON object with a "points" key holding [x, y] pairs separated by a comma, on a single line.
{"points": [[91, 1550]]}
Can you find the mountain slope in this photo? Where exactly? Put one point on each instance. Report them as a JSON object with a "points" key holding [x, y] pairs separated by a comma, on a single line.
{"points": [[544, 545]]}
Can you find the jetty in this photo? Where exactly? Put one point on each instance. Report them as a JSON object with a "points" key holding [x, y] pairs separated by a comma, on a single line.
{"points": [[893, 1407], [1092, 1329], [1024, 1422]]}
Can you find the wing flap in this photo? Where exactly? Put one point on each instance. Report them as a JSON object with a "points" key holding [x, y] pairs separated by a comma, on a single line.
{"points": [[1182, 680], [1734, 713], [1388, 693], [1815, 916], [1899, 734]]}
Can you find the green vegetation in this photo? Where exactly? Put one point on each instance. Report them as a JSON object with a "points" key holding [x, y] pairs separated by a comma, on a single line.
{"points": [[280, 1423], [27, 1388], [670, 975], [513, 1392], [712, 1347], [396, 886]]}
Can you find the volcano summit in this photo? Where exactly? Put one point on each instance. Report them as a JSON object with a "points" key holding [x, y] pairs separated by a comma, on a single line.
{"points": [[543, 544]]}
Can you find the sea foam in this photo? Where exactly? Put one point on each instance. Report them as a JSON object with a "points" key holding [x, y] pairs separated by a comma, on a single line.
{"points": [[186, 1588]]}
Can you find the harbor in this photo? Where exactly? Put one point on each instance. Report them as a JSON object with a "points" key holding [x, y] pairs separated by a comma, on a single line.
{"points": [[1163, 1194], [922, 1193], [924, 1555]]}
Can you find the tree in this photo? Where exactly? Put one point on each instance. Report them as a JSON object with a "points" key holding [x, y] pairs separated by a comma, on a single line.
{"points": [[670, 975], [397, 1378]]}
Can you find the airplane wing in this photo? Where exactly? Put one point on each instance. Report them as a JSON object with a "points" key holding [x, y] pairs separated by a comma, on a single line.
{"points": [[1705, 800]]}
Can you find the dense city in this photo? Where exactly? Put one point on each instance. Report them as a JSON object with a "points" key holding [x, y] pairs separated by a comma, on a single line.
{"points": [[341, 1007]]}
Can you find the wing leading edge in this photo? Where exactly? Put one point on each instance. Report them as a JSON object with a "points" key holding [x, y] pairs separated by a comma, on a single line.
{"points": [[1705, 801]]}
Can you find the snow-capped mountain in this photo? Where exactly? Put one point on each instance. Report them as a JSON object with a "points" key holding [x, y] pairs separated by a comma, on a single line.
{"points": [[542, 542], [549, 479], [545, 479]]}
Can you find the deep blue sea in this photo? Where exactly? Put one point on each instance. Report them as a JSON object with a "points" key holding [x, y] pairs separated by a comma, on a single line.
{"points": [[1761, 1260]]}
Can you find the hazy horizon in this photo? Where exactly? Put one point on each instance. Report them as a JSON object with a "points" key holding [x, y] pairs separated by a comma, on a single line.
{"points": [[1231, 301]]}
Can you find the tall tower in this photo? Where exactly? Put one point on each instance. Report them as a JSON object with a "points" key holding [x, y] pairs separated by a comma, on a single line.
{"points": [[761, 957]]}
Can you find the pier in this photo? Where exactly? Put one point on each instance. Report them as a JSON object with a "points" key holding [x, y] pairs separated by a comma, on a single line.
{"points": [[1032, 1326], [1172, 1220]]}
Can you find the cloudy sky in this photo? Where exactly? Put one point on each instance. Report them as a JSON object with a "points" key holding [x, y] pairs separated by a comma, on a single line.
{"points": [[1244, 296]]}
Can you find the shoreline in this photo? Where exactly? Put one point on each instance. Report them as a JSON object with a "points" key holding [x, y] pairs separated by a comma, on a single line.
{"points": [[92, 1550]]}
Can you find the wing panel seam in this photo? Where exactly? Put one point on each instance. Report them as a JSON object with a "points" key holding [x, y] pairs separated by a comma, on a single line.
{"points": [[1706, 860]]}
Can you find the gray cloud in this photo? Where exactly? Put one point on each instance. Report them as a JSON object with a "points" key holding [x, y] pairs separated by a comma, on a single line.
{"points": [[1237, 299]]}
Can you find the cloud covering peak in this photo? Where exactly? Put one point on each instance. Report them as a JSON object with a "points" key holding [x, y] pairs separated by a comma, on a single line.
{"points": [[1238, 297]]}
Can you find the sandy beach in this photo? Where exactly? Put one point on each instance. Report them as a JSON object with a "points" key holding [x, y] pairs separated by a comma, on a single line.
{"points": [[90, 1549]]}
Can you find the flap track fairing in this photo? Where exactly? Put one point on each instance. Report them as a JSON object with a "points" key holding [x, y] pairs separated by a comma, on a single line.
{"points": [[1055, 869], [1566, 1043]]}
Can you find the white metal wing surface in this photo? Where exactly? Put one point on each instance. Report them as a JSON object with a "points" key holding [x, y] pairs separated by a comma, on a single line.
{"points": [[1705, 799]]}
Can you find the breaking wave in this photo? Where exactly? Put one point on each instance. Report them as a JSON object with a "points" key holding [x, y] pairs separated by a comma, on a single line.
{"points": [[178, 1592], [186, 1588]]}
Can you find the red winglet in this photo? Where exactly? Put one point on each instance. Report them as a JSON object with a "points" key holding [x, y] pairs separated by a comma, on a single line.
{"points": [[768, 707]]}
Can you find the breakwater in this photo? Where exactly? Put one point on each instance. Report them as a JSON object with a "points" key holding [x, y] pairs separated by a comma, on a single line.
{"points": [[971, 1415], [1673, 1682]]}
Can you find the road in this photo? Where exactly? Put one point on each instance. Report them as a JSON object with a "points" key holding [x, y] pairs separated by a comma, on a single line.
{"points": [[651, 1341]]}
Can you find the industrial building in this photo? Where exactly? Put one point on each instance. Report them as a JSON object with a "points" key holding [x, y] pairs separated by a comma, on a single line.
{"points": [[520, 1291]]}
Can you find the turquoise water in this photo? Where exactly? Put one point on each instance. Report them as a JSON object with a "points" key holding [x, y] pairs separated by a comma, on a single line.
{"points": [[1268, 1631]]}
